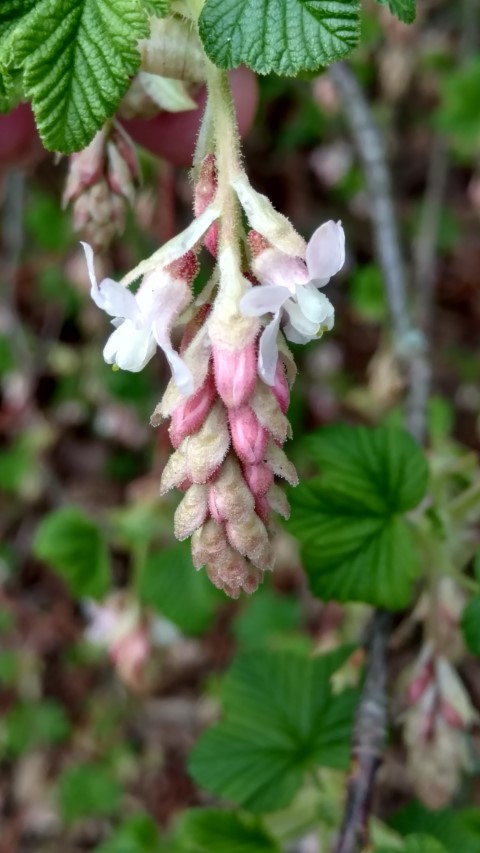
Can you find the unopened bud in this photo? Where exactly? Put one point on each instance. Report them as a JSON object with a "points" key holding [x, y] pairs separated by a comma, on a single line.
{"points": [[259, 478], [206, 449], [249, 438], [191, 511], [278, 502], [249, 537], [269, 414], [280, 388], [235, 374], [189, 416], [280, 464], [229, 496]]}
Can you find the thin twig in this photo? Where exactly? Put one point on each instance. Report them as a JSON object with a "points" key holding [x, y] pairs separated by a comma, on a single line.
{"points": [[368, 738], [409, 342], [371, 719]]}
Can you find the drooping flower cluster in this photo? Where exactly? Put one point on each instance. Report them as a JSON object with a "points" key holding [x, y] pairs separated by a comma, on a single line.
{"points": [[438, 719], [101, 183], [231, 379]]}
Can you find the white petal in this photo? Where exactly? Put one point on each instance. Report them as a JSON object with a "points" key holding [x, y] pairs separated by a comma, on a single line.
{"points": [[313, 304], [326, 251], [110, 296], [263, 299], [180, 372], [274, 267], [130, 348], [294, 336], [298, 319], [268, 351], [177, 246]]}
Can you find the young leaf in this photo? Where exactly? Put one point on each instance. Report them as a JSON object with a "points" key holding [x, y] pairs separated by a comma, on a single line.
{"points": [[77, 60], [169, 583], [356, 544], [405, 10], [283, 36], [281, 719], [27, 726], [215, 831], [75, 547]]}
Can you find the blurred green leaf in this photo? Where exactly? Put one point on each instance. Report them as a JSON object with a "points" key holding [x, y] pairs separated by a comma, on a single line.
{"points": [[266, 617], [458, 831], [87, 790], [281, 719], [8, 666], [28, 726], [356, 544], [404, 10], [368, 294], [216, 831], [471, 624], [75, 546], [46, 222], [7, 359], [457, 114], [415, 844], [139, 834], [169, 583]]}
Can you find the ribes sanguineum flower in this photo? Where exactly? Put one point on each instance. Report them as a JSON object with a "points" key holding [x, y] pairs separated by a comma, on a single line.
{"points": [[142, 321], [289, 289]]}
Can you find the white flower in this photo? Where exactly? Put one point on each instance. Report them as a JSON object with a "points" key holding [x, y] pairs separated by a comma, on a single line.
{"points": [[290, 286], [142, 321]]}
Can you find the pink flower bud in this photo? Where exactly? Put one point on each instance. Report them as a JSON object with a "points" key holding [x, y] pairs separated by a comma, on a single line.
{"points": [[262, 508], [235, 374], [190, 415], [185, 267], [259, 478], [130, 654], [419, 684], [215, 505], [248, 437], [257, 243], [210, 241], [280, 388], [206, 185], [451, 715]]}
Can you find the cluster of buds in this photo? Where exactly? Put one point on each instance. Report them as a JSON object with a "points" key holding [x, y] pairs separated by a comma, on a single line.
{"points": [[101, 183], [128, 634], [436, 725], [230, 385]]}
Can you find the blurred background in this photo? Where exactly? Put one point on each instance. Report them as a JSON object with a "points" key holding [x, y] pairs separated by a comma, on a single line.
{"points": [[112, 648]]}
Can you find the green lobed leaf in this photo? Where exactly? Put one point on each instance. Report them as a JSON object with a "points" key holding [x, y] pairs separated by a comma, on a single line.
{"points": [[404, 10], [281, 719], [77, 58], [73, 544], [169, 583], [216, 831], [455, 830], [283, 36], [11, 13], [267, 618], [355, 543]]}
